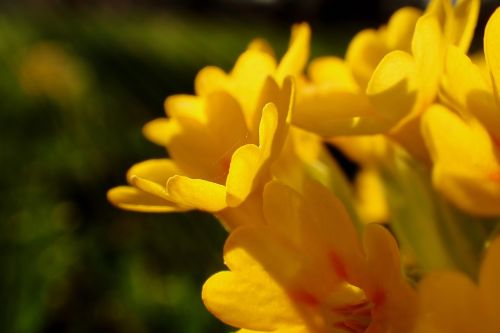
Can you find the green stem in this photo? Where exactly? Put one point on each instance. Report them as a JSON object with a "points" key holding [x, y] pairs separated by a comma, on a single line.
{"points": [[431, 230]]}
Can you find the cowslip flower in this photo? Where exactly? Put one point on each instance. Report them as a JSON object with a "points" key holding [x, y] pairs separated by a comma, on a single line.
{"points": [[450, 302], [305, 270], [244, 82], [466, 166], [214, 161], [221, 141], [248, 75], [389, 76]]}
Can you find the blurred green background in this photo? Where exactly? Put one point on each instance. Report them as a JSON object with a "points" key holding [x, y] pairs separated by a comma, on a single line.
{"points": [[77, 83], [76, 86]]}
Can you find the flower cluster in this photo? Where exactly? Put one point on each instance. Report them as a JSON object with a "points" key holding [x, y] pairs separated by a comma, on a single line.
{"points": [[309, 251]]}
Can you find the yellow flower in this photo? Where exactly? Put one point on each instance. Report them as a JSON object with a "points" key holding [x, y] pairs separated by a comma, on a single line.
{"points": [[223, 140], [449, 302], [246, 79], [215, 162], [389, 77], [466, 167], [465, 147], [305, 270]]}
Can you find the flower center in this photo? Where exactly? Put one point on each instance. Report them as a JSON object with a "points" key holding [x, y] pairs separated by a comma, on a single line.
{"points": [[354, 318], [494, 176], [346, 310]]}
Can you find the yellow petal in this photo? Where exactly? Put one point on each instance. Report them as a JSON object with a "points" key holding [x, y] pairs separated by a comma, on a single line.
{"points": [[365, 150], [488, 281], [492, 50], [371, 203], [226, 123], [224, 116], [464, 87], [479, 59], [428, 48], [282, 99], [408, 135], [299, 223], [269, 124], [185, 106], [247, 78], [382, 251], [458, 21], [156, 170], [150, 187], [328, 111], [296, 57], [393, 298], [324, 218], [392, 88], [210, 79], [197, 193], [466, 167], [248, 162], [253, 301], [436, 7], [253, 66], [443, 11], [196, 150], [400, 28], [449, 302], [453, 141], [464, 20], [130, 198], [244, 168], [160, 131], [248, 213], [282, 96], [261, 45], [332, 71], [364, 53], [295, 267], [281, 203], [473, 191], [329, 214], [254, 248]]}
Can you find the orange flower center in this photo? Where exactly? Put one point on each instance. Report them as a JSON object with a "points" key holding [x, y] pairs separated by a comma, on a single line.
{"points": [[494, 176], [353, 318], [350, 317]]}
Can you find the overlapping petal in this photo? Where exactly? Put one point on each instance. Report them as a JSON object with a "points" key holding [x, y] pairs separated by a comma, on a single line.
{"points": [[214, 163], [222, 141], [458, 20], [396, 70], [492, 52], [130, 198], [466, 162], [464, 88], [305, 268]]}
